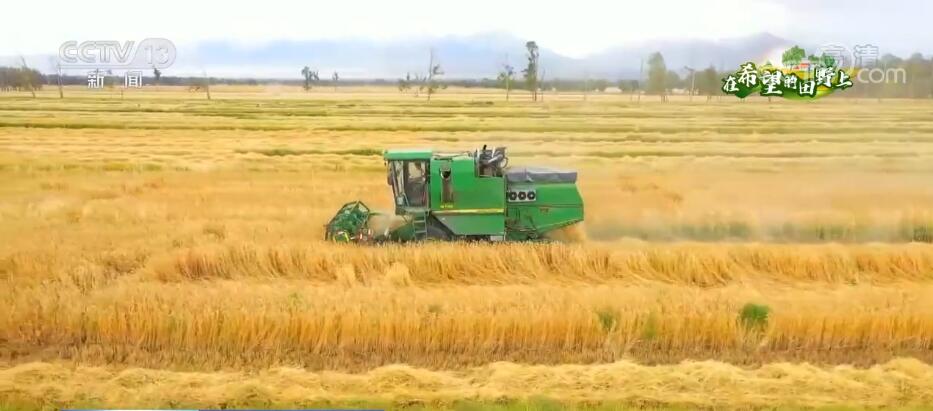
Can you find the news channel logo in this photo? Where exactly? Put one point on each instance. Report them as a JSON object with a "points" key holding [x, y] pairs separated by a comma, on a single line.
{"points": [[150, 53]]}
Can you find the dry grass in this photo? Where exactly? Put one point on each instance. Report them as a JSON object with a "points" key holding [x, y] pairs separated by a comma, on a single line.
{"points": [[165, 232], [701, 265], [693, 385], [361, 319]]}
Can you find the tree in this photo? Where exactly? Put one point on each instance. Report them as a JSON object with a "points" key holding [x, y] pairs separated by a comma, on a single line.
{"points": [[434, 70], [657, 74], [157, 74], [599, 85], [404, 84], [505, 79], [27, 78], [627, 85], [919, 74], [692, 88], [531, 71], [309, 76], [113, 81], [336, 78], [304, 74], [20, 78], [58, 76], [708, 82], [671, 81], [824, 60], [793, 56]]}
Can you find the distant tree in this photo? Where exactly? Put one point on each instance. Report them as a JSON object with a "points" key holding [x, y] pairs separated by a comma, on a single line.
{"points": [[919, 76], [707, 82], [113, 80], [690, 82], [336, 78], [157, 74], [657, 74], [627, 86], [304, 74], [430, 84], [20, 78], [531, 70], [600, 85], [58, 78], [6, 82], [404, 84], [793, 56], [28, 80], [824, 61], [310, 76], [505, 79], [420, 80], [672, 80]]}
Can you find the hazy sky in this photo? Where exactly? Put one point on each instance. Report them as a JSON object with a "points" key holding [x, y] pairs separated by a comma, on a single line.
{"points": [[574, 28]]}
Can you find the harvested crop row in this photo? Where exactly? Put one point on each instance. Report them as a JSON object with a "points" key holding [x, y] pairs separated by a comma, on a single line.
{"points": [[349, 325], [693, 264], [897, 383]]}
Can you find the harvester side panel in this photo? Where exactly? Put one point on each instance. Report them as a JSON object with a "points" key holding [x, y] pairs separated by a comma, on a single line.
{"points": [[473, 222], [555, 205], [475, 204]]}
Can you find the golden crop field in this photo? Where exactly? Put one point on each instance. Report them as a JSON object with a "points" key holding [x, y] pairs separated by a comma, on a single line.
{"points": [[161, 250]]}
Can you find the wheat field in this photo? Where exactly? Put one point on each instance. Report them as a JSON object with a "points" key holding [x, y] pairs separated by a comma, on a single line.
{"points": [[161, 250]]}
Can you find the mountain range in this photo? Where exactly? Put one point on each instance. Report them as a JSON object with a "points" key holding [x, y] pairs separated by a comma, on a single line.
{"points": [[461, 57]]}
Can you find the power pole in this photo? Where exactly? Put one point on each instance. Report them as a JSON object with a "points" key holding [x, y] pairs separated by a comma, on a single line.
{"points": [[61, 94], [641, 76], [693, 79], [207, 85], [542, 85], [430, 73], [26, 77], [508, 77]]}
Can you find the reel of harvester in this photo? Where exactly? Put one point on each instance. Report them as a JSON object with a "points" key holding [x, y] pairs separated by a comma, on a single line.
{"points": [[349, 224]]}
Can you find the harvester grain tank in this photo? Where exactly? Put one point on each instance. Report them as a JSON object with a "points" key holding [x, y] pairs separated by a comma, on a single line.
{"points": [[471, 195]]}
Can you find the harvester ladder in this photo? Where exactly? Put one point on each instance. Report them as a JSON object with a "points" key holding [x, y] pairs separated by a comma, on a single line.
{"points": [[419, 225]]}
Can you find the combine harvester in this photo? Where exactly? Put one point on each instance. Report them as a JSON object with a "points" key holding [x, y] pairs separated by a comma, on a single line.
{"points": [[463, 196]]}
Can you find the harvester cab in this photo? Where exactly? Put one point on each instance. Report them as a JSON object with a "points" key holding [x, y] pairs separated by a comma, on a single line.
{"points": [[463, 196]]}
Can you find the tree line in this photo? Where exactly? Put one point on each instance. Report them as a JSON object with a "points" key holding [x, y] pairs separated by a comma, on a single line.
{"points": [[893, 77], [20, 79]]}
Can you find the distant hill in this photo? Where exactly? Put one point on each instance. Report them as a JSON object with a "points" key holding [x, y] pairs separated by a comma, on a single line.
{"points": [[474, 57]]}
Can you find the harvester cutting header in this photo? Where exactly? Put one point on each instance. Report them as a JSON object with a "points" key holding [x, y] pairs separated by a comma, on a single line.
{"points": [[463, 196]]}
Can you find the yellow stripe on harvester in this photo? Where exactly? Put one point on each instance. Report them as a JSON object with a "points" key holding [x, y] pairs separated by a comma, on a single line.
{"points": [[472, 211]]}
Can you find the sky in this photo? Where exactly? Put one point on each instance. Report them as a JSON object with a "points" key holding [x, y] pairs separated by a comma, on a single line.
{"points": [[573, 28]]}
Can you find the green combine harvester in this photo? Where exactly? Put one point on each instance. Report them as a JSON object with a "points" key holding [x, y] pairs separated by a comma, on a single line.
{"points": [[463, 196]]}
